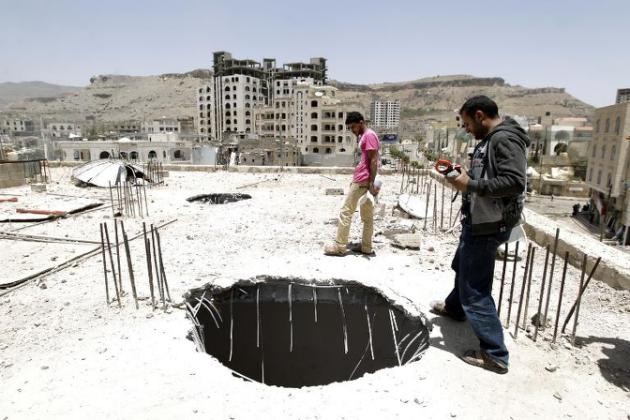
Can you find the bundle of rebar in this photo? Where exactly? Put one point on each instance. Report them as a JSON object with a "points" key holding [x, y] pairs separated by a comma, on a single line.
{"points": [[130, 200], [154, 261]]}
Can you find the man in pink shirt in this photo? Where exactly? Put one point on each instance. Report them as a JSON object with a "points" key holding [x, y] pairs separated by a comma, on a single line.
{"points": [[362, 183]]}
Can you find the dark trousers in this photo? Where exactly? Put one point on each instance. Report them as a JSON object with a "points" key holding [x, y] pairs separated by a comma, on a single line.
{"points": [[472, 295]]}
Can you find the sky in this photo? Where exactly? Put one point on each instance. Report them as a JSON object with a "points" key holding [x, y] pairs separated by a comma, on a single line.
{"points": [[583, 46]]}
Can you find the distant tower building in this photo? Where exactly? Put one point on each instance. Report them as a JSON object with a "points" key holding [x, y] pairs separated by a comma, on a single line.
{"points": [[385, 114], [623, 95]]}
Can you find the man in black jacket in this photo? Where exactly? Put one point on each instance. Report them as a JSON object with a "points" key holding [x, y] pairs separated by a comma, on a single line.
{"points": [[493, 191]]}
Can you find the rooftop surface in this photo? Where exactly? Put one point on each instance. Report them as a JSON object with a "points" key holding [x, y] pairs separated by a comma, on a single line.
{"points": [[64, 353]]}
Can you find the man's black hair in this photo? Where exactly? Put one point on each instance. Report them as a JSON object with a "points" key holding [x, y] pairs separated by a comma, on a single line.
{"points": [[354, 117], [480, 103]]}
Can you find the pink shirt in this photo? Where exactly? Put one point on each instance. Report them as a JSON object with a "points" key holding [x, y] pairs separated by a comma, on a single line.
{"points": [[369, 141]]}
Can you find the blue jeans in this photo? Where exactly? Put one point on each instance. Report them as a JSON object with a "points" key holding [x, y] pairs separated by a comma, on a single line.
{"points": [[472, 295]]}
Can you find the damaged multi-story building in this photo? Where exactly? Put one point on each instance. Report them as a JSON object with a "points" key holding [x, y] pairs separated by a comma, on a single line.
{"points": [[263, 100]]}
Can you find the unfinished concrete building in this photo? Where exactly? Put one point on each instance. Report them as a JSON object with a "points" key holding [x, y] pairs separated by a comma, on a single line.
{"points": [[269, 151], [242, 85], [315, 118]]}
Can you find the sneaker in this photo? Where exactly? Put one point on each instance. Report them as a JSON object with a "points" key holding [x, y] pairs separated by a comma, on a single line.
{"points": [[438, 307], [362, 250], [482, 360], [335, 249]]}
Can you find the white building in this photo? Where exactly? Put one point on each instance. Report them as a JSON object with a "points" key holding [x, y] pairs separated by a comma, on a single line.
{"points": [[63, 130], [385, 114], [312, 116], [205, 109]]}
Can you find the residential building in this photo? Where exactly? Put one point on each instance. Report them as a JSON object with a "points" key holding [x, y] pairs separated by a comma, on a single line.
{"points": [[183, 125], [268, 151], [385, 114], [16, 126], [205, 109], [311, 115], [242, 85], [608, 172], [63, 129], [166, 147], [623, 95]]}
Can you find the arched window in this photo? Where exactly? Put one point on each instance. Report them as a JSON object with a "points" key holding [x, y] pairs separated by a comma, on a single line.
{"points": [[603, 151], [201, 130], [177, 154], [200, 107], [607, 126], [247, 113], [248, 121], [313, 139], [227, 96], [227, 88], [228, 122], [613, 152], [314, 127], [599, 177], [328, 150], [314, 115], [342, 150], [247, 105], [597, 126], [315, 149], [314, 104], [227, 106], [340, 139], [609, 180], [594, 150], [164, 154], [152, 154], [103, 155], [134, 155]]}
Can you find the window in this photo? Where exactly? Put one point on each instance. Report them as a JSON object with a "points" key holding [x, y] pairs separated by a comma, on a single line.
{"points": [[208, 98], [227, 97], [613, 152], [228, 114], [228, 122], [328, 150], [340, 127], [313, 139], [201, 107], [599, 177], [247, 97], [597, 126], [247, 113], [234, 97], [314, 104], [227, 88], [315, 150], [603, 151], [209, 115], [152, 154], [248, 121], [314, 115], [177, 154], [607, 127], [342, 150], [164, 154], [340, 139], [134, 155], [594, 150], [227, 106], [617, 125], [314, 127]]}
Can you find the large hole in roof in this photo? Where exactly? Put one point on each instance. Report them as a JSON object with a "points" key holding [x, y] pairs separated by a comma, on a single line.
{"points": [[293, 333], [219, 198]]}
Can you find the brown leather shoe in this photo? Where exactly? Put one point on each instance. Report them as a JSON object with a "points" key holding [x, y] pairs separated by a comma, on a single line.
{"points": [[438, 307], [481, 359]]}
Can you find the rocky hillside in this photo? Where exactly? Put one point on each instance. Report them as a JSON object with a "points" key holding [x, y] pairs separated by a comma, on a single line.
{"points": [[113, 97], [15, 92], [438, 97]]}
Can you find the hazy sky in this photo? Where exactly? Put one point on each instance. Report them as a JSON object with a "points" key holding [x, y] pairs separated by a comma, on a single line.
{"points": [[583, 46]]}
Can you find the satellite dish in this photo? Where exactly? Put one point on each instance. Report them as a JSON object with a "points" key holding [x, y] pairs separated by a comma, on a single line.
{"points": [[319, 93]]}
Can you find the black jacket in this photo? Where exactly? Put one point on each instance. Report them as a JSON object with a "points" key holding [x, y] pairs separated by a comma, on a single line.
{"points": [[493, 201]]}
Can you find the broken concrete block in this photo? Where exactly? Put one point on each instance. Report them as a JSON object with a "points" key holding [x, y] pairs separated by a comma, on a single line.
{"points": [[38, 187], [406, 241], [334, 191]]}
